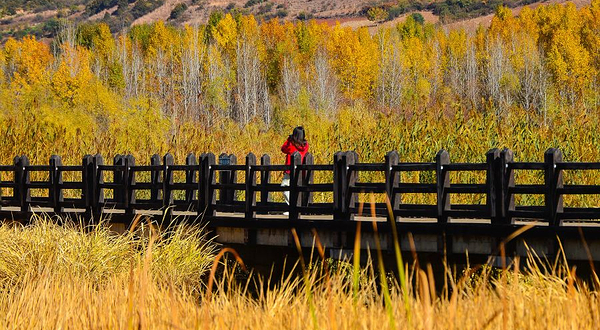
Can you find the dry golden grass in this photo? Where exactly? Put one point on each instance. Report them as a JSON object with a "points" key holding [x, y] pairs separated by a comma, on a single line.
{"points": [[63, 277]]}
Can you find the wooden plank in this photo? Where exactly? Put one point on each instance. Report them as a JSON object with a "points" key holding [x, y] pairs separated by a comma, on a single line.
{"points": [[574, 189], [191, 179], [416, 188], [250, 191], [412, 167], [317, 187], [506, 198], [553, 180], [526, 166], [315, 167], [269, 167], [577, 166], [339, 169], [531, 189], [295, 176], [467, 188], [167, 194], [97, 181], [364, 187], [118, 180], [443, 181], [129, 180], [368, 167], [232, 167], [493, 183], [349, 158], [466, 167], [209, 179], [56, 193], [72, 185], [392, 178], [308, 186], [265, 178]]}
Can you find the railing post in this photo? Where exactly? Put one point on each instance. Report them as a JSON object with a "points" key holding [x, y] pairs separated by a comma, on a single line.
{"points": [[190, 178], [265, 178], [339, 170], [307, 180], [250, 186], [295, 160], [227, 195], [392, 180], [443, 181], [55, 176], [17, 174], [129, 177], [553, 181], [208, 180], [87, 179], [232, 193], [493, 180], [506, 199], [167, 182], [118, 194], [206, 196], [201, 181], [21, 179], [98, 201], [351, 180], [223, 178], [155, 179]]}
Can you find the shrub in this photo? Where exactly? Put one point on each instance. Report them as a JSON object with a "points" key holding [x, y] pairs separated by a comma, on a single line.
{"points": [[281, 13], [396, 11], [251, 3], [377, 14], [418, 18], [265, 8], [179, 9], [304, 16]]}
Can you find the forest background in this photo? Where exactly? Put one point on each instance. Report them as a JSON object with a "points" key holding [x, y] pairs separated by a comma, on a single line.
{"points": [[237, 85]]}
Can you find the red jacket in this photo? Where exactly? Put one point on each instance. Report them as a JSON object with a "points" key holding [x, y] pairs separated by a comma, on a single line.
{"points": [[289, 148]]}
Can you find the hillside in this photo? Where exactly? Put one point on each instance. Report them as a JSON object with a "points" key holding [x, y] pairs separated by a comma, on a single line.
{"points": [[41, 17]]}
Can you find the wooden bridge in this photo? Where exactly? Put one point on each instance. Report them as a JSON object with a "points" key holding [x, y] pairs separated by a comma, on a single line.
{"points": [[225, 195]]}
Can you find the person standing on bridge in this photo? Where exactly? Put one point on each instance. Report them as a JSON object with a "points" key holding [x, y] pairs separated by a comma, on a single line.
{"points": [[295, 142]]}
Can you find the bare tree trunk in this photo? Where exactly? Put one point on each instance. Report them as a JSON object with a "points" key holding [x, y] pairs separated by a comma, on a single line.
{"points": [[159, 67], [218, 88], [493, 76], [251, 89], [390, 76], [132, 64], [290, 82], [436, 72], [471, 87], [67, 34], [324, 86], [192, 77]]}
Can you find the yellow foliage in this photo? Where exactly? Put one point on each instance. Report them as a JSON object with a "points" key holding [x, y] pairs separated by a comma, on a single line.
{"points": [[354, 57], [162, 38], [30, 59], [570, 62], [226, 33], [72, 75]]}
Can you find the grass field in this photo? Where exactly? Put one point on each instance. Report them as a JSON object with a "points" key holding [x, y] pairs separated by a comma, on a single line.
{"points": [[68, 277], [240, 85]]}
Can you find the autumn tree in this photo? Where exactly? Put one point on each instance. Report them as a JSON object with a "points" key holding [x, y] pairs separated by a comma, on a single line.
{"points": [[377, 14]]}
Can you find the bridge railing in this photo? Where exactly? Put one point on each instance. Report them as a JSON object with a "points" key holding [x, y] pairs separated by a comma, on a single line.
{"points": [[211, 190]]}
